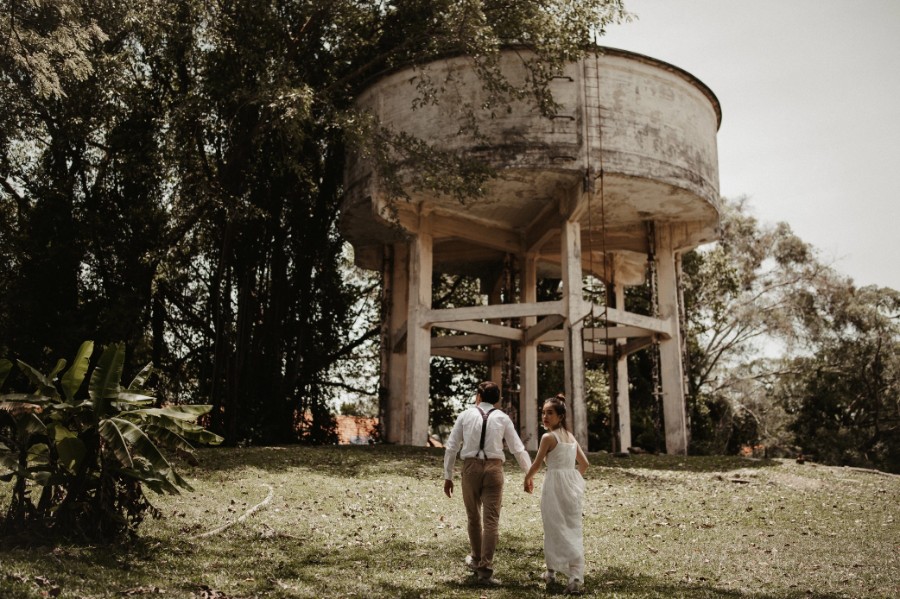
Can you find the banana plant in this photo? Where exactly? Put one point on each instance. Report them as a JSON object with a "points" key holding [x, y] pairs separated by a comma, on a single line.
{"points": [[70, 443]]}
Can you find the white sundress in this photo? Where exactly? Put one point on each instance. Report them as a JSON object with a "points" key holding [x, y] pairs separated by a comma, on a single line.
{"points": [[561, 511]]}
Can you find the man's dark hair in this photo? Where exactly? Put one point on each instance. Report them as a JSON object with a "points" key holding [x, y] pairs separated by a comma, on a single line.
{"points": [[489, 392]]}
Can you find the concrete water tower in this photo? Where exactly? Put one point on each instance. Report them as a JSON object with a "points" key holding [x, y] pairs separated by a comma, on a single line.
{"points": [[617, 184]]}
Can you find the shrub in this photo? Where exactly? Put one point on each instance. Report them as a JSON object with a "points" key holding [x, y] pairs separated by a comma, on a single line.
{"points": [[79, 458]]}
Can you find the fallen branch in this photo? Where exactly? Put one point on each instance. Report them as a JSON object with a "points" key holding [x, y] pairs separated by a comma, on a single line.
{"points": [[243, 516]]}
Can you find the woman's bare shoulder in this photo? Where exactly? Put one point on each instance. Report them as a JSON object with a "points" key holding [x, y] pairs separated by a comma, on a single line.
{"points": [[549, 438]]}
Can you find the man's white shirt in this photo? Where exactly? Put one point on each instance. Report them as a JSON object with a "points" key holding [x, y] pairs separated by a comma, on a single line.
{"points": [[466, 436]]}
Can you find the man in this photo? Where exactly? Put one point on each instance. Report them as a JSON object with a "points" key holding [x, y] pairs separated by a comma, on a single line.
{"points": [[479, 432]]}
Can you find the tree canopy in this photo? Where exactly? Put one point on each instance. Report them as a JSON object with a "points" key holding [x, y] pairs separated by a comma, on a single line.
{"points": [[785, 352], [171, 171]]}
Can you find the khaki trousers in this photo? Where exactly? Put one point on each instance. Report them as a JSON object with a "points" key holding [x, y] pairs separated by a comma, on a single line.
{"points": [[482, 491]]}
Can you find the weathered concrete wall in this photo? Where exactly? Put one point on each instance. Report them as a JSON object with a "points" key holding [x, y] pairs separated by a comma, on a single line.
{"points": [[650, 126]]}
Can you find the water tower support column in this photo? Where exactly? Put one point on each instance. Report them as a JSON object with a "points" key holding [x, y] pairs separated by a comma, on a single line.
{"points": [[623, 402], [396, 277], [671, 368], [528, 383], [418, 336], [573, 347]]}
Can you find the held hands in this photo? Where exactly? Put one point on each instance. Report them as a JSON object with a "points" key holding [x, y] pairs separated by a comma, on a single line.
{"points": [[529, 484], [448, 488]]}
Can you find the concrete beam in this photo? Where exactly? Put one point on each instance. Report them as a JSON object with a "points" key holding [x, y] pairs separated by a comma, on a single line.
{"points": [[660, 326], [617, 332], [463, 341], [463, 354], [626, 349], [490, 235], [493, 312], [500, 332], [548, 323]]}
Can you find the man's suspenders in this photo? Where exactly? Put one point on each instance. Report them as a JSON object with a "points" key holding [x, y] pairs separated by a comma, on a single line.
{"points": [[484, 419]]}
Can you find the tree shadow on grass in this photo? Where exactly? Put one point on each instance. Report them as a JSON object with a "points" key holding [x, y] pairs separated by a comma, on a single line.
{"points": [[355, 461], [521, 584], [676, 463], [620, 582], [396, 568], [340, 460]]}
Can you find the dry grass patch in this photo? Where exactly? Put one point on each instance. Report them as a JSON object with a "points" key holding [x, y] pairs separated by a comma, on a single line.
{"points": [[373, 522]]}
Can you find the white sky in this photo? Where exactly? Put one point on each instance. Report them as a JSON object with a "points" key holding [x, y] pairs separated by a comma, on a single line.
{"points": [[810, 95]]}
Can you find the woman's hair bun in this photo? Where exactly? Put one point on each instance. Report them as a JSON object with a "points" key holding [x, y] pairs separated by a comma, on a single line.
{"points": [[561, 397]]}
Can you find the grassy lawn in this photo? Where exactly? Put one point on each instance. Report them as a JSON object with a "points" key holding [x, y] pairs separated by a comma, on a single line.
{"points": [[373, 522]]}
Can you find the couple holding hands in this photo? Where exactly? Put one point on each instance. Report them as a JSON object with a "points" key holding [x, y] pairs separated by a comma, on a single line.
{"points": [[478, 436]]}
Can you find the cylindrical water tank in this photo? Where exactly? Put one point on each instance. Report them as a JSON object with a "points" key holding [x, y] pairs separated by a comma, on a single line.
{"points": [[647, 126]]}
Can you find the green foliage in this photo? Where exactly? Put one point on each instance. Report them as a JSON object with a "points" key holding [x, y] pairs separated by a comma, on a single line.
{"points": [[359, 408], [740, 296], [845, 395], [597, 402], [452, 383], [831, 393], [88, 457]]}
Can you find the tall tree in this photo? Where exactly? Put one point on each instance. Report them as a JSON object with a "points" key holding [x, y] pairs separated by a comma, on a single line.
{"points": [[740, 304], [81, 179], [176, 181], [845, 393], [270, 89]]}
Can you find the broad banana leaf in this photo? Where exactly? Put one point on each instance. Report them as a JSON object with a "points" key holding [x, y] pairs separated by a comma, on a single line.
{"points": [[42, 476], [5, 367], [60, 364], [13, 402], [44, 384], [155, 481], [168, 438], [126, 399], [146, 449], [190, 431], [115, 442], [74, 376], [71, 452], [137, 383], [188, 412], [178, 419], [59, 410], [9, 464], [39, 451], [104, 382], [28, 424], [58, 432]]}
